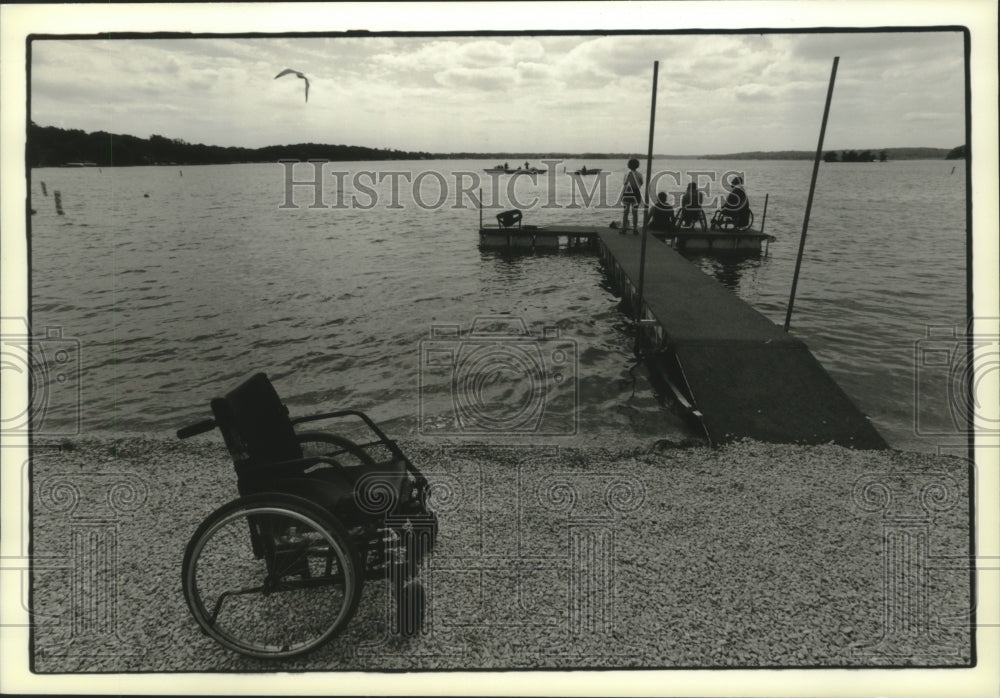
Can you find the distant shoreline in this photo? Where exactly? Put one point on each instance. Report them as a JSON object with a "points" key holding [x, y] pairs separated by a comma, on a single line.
{"points": [[447, 157], [50, 146]]}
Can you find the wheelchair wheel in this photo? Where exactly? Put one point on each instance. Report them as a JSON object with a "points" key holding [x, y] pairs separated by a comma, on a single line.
{"points": [[271, 575]]}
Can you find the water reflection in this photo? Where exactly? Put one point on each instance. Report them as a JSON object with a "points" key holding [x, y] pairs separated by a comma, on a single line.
{"points": [[729, 270]]}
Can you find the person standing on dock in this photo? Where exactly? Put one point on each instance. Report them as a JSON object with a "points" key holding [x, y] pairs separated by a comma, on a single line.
{"points": [[631, 196]]}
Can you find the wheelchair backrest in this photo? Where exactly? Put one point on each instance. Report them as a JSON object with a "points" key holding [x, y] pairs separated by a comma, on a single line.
{"points": [[255, 424]]}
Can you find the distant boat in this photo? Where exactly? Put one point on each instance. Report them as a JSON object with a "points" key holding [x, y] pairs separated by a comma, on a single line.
{"points": [[585, 172], [510, 170]]}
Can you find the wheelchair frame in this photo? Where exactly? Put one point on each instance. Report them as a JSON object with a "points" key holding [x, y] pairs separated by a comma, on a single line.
{"points": [[306, 531]]}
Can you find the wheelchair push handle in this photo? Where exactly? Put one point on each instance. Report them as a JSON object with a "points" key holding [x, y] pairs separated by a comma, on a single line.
{"points": [[196, 428]]}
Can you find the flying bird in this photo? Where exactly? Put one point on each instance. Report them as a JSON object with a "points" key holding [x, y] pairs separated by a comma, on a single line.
{"points": [[286, 71]]}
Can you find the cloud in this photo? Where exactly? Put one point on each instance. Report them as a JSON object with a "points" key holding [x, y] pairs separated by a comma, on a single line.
{"points": [[201, 81], [753, 92], [624, 55], [488, 79], [928, 116], [528, 71], [436, 93], [438, 55], [868, 47]]}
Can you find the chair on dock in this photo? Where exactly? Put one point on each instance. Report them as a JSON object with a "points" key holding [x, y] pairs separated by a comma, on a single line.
{"points": [[729, 222], [690, 216], [691, 210], [507, 219]]}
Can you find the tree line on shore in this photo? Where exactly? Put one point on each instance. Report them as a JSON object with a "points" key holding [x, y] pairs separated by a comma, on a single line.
{"points": [[856, 156], [894, 154], [50, 146]]}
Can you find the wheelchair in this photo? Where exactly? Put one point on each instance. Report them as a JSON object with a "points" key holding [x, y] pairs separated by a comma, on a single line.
{"points": [[726, 221], [278, 571], [691, 216]]}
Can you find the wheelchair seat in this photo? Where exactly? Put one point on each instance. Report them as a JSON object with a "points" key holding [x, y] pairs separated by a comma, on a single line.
{"points": [[268, 455]]}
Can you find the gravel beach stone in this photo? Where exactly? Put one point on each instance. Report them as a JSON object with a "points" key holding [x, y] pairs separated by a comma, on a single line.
{"points": [[750, 555]]}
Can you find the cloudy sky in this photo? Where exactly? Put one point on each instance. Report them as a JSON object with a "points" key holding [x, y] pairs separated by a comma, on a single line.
{"points": [[717, 93]]}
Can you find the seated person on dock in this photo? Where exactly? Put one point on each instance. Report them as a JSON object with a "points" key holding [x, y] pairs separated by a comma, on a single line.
{"points": [[735, 210], [691, 211], [661, 216]]}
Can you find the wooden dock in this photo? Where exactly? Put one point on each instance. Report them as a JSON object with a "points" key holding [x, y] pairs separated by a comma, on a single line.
{"points": [[733, 370], [740, 374]]}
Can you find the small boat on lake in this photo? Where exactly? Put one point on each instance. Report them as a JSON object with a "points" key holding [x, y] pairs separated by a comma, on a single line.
{"points": [[508, 170], [583, 171]]}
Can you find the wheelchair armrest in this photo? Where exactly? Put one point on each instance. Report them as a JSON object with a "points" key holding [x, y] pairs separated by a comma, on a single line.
{"points": [[383, 439], [340, 446], [340, 414]]}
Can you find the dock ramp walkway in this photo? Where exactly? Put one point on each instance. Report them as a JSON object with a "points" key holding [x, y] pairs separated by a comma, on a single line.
{"points": [[743, 375]]}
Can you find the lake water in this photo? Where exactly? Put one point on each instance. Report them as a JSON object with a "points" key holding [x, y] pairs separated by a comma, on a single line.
{"points": [[168, 299]]}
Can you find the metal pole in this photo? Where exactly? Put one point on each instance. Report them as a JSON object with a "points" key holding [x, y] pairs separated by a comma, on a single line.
{"points": [[812, 189], [645, 217], [763, 219], [480, 209]]}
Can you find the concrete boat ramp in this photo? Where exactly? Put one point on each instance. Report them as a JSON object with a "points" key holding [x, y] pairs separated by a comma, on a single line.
{"points": [[737, 373]]}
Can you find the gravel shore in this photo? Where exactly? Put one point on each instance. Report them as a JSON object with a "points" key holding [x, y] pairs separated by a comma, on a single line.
{"points": [[647, 556]]}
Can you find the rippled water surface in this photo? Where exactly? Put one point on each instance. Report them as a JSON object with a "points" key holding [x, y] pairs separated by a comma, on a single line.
{"points": [[170, 298]]}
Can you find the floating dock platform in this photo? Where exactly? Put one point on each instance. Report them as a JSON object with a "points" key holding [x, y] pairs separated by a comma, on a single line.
{"points": [[733, 370], [540, 237], [687, 240], [558, 236]]}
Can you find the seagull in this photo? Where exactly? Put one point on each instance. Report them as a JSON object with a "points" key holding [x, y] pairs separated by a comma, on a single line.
{"points": [[286, 71]]}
